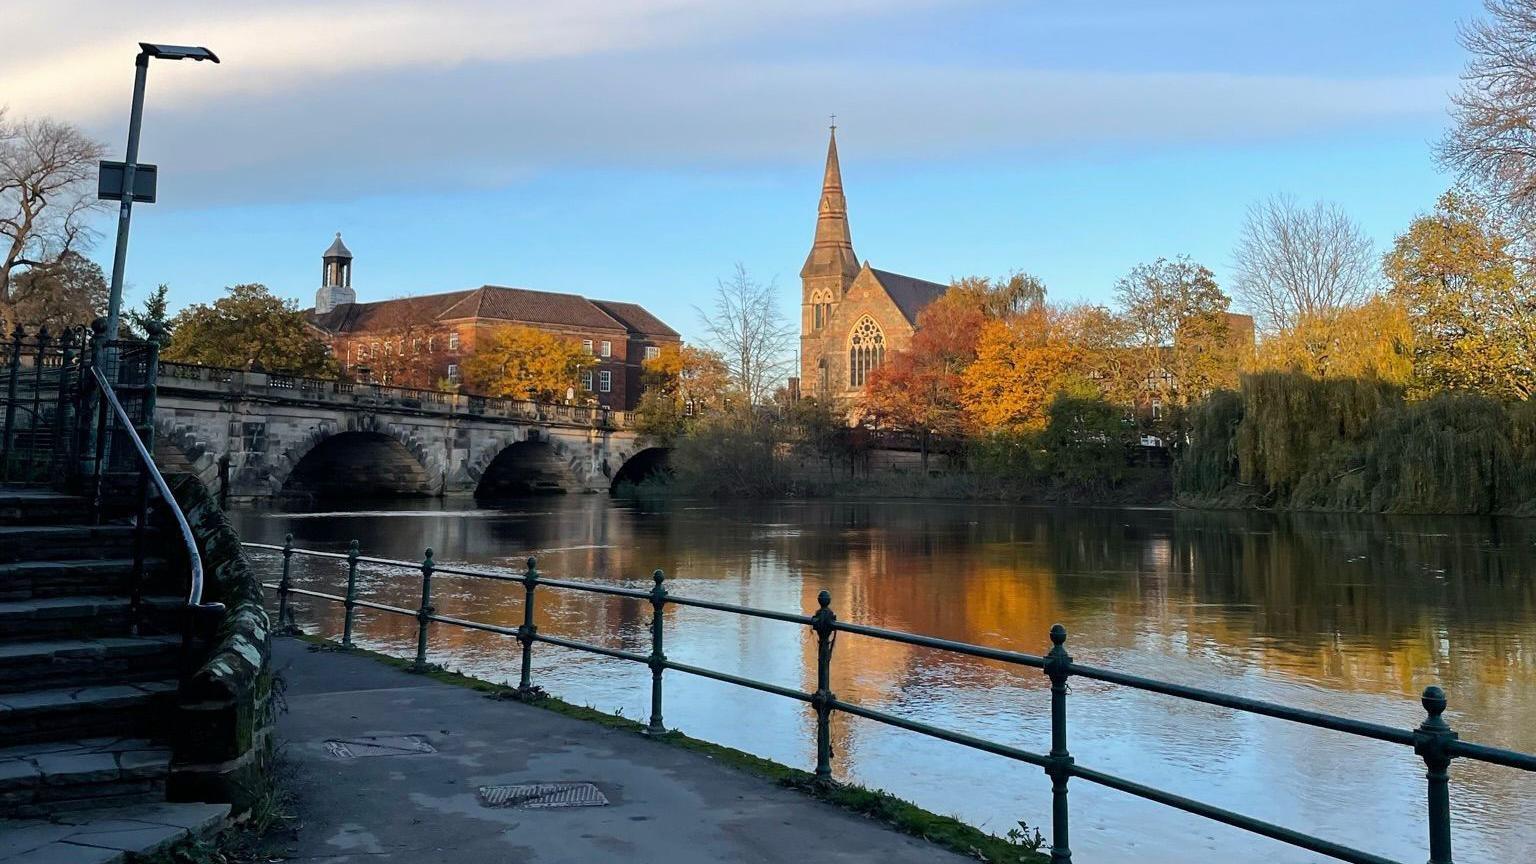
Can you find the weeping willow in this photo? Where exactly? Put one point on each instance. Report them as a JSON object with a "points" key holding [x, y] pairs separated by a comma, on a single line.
{"points": [[1290, 441]]}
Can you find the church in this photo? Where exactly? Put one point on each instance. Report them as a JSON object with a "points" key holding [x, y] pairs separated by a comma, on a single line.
{"points": [[851, 315]]}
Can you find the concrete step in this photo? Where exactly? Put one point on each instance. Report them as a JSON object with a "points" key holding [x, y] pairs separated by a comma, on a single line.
{"points": [[51, 778], [86, 712], [81, 577], [60, 541], [110, 835], [55, 663], [89, 615], [35, 505]]}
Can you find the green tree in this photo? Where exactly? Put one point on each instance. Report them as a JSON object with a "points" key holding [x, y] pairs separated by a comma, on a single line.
{"points": [[525, 363], [154, 308], [249, 325], [1472, 313], [679, 385], [1181, 345]]}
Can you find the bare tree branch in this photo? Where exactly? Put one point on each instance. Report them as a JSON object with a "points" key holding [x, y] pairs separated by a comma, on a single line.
{"points": [[746, 328], [1294, 261]]}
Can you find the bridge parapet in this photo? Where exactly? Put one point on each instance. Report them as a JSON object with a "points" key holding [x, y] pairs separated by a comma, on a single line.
{"points": [[241, 383]]}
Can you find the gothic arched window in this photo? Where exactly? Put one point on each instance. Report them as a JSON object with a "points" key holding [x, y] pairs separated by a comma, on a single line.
{"points": [[821, 309], [866, 350]]}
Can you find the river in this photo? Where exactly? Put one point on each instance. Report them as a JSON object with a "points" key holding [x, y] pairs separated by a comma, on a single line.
{"points": [[1342, 613]]}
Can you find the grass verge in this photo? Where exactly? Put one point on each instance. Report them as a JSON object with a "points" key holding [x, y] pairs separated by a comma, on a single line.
{"points": [[1020, 848]]}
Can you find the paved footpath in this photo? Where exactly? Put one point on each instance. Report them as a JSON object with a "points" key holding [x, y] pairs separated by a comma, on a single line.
{"points": [[666, 805]]}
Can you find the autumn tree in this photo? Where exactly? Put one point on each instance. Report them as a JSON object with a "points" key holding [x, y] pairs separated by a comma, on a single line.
{"points": [[919, 388], [1370, 340], [525, 363], [680, 384], [746, 329], [71, 292], [1493, 142], [1021, 365], [1472, 315], [1298, 265], [249, 325], [1180, 343], [47, 198]]}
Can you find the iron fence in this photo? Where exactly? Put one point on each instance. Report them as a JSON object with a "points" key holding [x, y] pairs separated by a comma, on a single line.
{"points": [[43, 381], [1432, 740]]}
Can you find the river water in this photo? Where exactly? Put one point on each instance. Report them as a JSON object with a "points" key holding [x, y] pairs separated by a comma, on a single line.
{"points": [[1342, 613]]}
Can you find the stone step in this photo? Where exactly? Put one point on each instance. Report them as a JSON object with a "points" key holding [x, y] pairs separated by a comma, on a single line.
{"points": [[54, 542], [89, 615], [31, 505], [50, 778], [85, 712], [111, 835], [82, 577], [55, 663]]}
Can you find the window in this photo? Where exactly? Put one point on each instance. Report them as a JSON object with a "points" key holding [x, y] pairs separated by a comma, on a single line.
{"points": [[607, 348], [416, 345], [586, 345], [652, 352], [453, 371], [866, 350], [453, 341], [821, 309], [586, 380], [605, 381]]}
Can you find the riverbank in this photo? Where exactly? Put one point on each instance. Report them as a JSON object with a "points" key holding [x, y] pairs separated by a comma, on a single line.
{"points": [[671, 797]]}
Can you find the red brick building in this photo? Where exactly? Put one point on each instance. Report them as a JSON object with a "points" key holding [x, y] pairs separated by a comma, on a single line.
{"points": [[421, 341]]}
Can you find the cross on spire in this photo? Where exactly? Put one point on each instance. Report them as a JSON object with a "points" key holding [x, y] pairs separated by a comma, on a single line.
{"points": [[834, 121]]}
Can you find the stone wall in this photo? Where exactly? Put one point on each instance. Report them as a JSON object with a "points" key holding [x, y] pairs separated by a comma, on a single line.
{"points": [[222, 745]]}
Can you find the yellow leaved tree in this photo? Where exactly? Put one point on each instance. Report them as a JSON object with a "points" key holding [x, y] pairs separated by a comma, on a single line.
{"points": [[524, 363]]}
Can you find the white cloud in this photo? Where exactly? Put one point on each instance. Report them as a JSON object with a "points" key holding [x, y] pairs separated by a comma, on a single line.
{"points": [[354, 97]]}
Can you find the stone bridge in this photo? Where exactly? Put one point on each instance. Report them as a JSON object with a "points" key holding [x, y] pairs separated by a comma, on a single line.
{"points": [[288, 436]]}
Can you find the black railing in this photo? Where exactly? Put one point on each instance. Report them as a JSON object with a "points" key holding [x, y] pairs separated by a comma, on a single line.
{"points": [[42, 384], [1432, 740]]}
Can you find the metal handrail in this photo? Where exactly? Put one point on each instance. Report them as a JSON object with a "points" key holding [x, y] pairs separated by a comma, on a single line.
{"points": [[147, 462], [1433, 740]]}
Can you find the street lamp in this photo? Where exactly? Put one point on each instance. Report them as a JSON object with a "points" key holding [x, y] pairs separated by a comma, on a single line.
{"points": [[127, 189]]}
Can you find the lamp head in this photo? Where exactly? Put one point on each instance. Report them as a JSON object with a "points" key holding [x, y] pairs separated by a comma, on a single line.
{"points": [[177, 52]]}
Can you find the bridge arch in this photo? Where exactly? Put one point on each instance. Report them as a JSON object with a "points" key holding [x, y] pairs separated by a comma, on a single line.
{"points": [[641, 465], [376, 461], [534, 464]]}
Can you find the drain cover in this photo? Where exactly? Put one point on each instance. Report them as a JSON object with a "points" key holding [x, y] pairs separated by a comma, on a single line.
{"points": [[388, 745], [542, 796]]}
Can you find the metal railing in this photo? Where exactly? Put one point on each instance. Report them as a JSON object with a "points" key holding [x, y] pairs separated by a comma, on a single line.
{"points": [[1432, 740], [333, 390], [42, 383]]}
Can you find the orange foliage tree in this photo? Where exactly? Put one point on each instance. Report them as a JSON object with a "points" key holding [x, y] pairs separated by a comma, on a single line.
{"points": [[919, 389], [1021, 365]]}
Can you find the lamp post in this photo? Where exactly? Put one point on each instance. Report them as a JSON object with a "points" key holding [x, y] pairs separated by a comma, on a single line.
{"points": [[128, 189]]}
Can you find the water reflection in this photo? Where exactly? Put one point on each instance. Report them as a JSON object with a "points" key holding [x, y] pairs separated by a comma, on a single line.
{"points": [[1350, 614]]}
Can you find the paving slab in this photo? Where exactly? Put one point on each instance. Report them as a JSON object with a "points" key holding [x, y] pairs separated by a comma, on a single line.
{"points": [[666, 804]]}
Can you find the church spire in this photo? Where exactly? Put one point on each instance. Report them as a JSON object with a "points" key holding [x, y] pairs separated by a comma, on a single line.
{"points": [[832, 251]]}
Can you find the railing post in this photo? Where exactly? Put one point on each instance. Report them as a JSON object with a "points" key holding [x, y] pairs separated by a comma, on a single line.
{"points": [[39, 359], [424, 614], [826, 638], [62, 434], [526, 632], [351, 603], [1058, 665], [658, 658], [284, 614], [140, 526], [1432, 742], [10, 400]]}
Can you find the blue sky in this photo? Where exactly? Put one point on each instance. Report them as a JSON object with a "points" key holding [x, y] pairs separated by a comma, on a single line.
{"points": [[637, 149]]}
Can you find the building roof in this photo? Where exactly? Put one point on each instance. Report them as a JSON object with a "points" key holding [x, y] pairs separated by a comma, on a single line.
{"points": [[637, 318], [495, 302], [338, 249], [910, 294]]}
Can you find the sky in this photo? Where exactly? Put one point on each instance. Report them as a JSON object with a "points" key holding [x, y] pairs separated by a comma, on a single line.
{"points": [[639, 149]]}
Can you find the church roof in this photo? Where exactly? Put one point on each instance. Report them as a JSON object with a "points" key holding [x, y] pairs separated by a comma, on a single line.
{"points": [[910, 294], [337, 249], [832, 250]]}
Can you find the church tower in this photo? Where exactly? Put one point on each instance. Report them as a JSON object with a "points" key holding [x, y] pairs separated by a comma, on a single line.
{"points": [[829, 270], [336, 278]]}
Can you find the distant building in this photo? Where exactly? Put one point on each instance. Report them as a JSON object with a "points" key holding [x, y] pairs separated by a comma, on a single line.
{"points": [[851, 315], [421, 341]]}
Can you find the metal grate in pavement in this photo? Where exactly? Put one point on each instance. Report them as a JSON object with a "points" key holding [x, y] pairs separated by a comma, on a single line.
{"points": [[542, 796]]}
